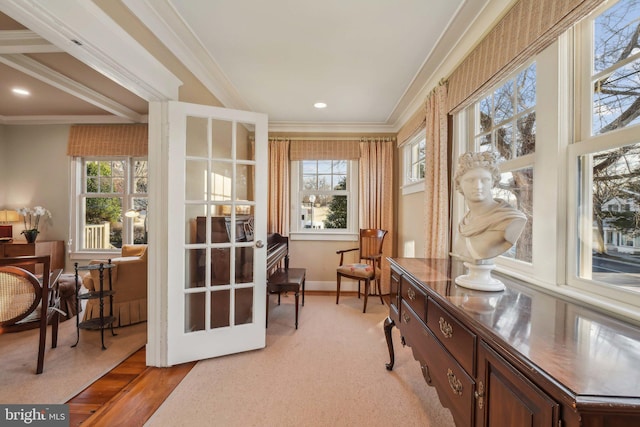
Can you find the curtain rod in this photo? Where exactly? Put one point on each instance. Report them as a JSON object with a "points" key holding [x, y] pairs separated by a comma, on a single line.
{"points": [[335, 138]]}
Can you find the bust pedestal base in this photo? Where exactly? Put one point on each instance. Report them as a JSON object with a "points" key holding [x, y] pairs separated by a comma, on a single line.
{"points": [[479, 278]]}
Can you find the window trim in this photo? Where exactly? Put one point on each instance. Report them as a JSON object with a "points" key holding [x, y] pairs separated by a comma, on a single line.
{"points": [[469, 137], [76, 207], [409, 185], [612, 297], [351, 233]]}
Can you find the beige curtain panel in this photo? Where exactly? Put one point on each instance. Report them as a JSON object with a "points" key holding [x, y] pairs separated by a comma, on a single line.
{"points": [[108, 140], [527, 29], [279, 170], [376, 194], [436, 184]]}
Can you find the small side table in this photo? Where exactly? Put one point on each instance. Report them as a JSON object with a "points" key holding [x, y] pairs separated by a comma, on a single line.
{"points": [[103, 321]]}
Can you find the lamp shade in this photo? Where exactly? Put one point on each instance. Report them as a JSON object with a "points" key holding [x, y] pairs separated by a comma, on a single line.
{"points": [[7, 215]]}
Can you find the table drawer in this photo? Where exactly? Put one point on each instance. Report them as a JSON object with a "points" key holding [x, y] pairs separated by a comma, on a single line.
{"points": [[455, 337], [455, 387], [415, 297]]}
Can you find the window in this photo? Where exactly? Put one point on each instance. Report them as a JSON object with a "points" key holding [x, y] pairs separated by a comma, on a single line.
{"points": [[416, 159], [110, 203], [504, 121], [566, 127], [615, 68], [324, 197], [414, 164], [606, 156]]}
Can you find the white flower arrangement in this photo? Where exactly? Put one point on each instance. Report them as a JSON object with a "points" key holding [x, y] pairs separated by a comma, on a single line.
{"points": [[32, 217]]}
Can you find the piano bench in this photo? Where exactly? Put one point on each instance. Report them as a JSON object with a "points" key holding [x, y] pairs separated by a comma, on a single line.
{"points": [[286, 280]]}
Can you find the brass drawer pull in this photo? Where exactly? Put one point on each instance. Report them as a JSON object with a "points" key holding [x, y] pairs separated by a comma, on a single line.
{"points": [[445, 328], [479, 394], [411, 294], [406, 317], [454, 383]]}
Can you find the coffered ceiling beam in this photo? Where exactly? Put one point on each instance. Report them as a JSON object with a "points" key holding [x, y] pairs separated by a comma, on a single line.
{"points": [[24, 41], [47, 75]]}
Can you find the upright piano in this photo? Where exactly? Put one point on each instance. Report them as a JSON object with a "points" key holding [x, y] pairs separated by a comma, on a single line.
{"points": [[277, 251]]}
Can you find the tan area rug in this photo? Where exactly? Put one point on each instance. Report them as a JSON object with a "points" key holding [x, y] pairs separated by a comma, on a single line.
{"points": [[330, 372], [67, 370]]}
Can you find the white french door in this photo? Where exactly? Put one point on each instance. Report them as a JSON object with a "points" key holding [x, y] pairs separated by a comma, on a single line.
{"points": [[217, 201]]}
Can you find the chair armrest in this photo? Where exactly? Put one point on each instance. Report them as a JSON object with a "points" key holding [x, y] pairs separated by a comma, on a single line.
{"points": [[87, 282], [347, 250], [343, 251]]}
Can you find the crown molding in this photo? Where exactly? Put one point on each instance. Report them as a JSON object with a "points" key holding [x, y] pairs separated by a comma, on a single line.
{"points": [[315, 127], [165, 23], [468, 27], [59, 120]]}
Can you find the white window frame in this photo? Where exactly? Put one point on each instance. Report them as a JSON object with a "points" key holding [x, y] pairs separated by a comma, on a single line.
{"points": [[77, 207], [546, 267], [351, 233], [410, 183], [585, 143]]}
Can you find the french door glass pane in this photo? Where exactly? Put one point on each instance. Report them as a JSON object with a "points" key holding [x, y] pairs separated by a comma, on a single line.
{"points": [[219, 189]]}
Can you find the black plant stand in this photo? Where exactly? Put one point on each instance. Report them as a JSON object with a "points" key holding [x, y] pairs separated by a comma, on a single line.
{"points": [[103, 321]]}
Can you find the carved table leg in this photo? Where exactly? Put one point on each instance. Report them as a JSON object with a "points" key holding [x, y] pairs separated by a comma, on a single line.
{"points": [[388, 326]]}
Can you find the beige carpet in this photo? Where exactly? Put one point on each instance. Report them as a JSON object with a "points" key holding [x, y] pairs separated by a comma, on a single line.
{"points": [[67, 370], [330, 372]]}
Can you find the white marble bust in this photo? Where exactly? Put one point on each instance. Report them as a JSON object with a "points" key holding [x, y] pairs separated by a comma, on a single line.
{"points": [[491, 226]]}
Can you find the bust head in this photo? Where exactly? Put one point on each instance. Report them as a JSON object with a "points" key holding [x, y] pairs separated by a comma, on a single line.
{"points": [[490, 226], [467, 162]]}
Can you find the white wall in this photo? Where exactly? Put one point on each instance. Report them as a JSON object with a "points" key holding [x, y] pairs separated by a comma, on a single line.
{"points": [[34, 171], [3, 160], [411, 221]]}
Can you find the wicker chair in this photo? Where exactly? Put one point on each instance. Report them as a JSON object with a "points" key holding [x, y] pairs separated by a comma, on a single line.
{"points": [[27, 302]]}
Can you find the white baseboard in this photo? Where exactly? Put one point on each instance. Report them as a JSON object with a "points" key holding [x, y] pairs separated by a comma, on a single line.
{"points": [[330, 286]]}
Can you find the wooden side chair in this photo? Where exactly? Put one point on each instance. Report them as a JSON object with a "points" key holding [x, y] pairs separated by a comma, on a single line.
{"points": [[368, 267], [27, 301]]}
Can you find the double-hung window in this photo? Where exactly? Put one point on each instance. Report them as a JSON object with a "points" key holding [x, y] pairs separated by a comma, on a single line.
{"points": [[110, 203], [414, 153], [604, 249], [504, 121], [324, 198]]}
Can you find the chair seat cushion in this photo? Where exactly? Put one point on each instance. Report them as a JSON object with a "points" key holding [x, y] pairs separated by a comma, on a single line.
{"points": [[357, 270]]}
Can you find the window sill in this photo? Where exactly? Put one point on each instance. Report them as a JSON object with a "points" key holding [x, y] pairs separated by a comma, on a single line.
{"points": [[414, 187], [80, 256], [324, 235]]}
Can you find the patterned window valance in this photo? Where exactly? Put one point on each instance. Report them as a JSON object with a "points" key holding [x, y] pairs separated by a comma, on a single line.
{"points": [[324, 150], [108, 140], [528, 28], [415, 124]]}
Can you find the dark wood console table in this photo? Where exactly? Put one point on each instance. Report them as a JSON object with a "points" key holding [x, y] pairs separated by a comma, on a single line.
{"points": [[519, 357], [53, 248]]}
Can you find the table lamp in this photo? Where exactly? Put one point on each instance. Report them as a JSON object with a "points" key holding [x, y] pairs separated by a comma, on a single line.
{"points": [[7, 216]]}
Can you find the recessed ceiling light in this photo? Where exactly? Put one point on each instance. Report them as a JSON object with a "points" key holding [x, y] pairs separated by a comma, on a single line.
{"points": [[320, 105], [20, 91]]}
